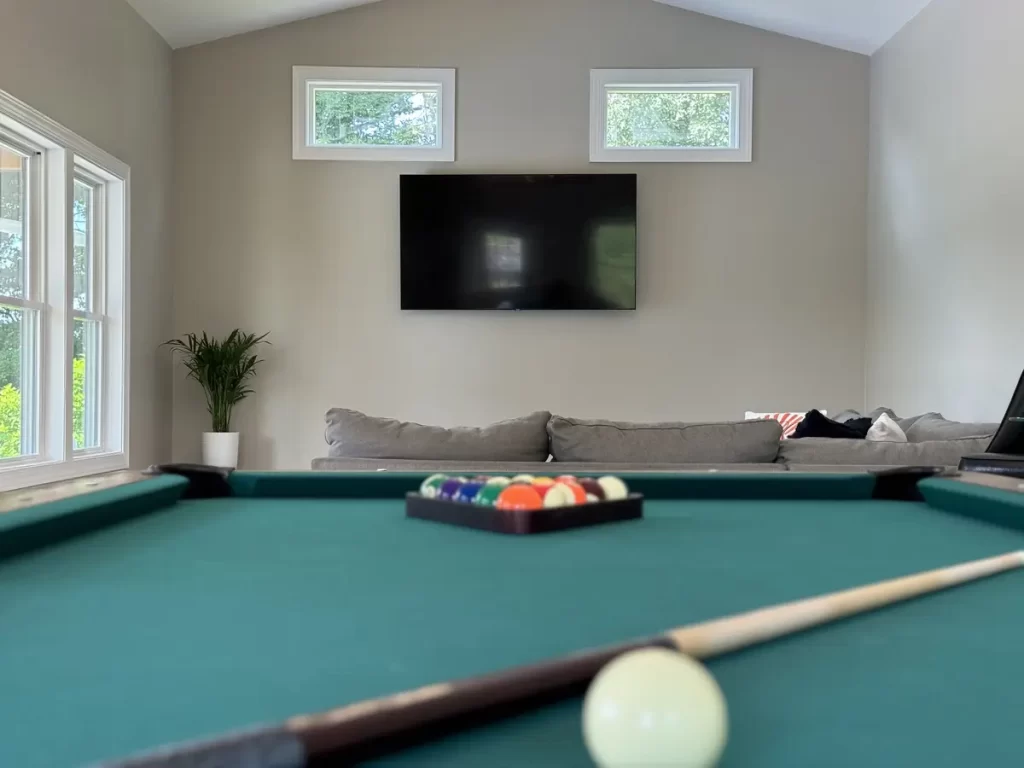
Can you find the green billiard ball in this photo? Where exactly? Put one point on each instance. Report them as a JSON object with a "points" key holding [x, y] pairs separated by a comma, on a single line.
{"points": [[488, 495]]}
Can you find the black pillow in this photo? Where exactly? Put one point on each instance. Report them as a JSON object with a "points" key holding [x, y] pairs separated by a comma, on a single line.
{"points": [[817, 424]]}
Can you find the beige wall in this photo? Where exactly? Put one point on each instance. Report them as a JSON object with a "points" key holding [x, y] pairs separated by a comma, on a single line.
{"points": [[100, 70], [946, 265], [751, 276]]}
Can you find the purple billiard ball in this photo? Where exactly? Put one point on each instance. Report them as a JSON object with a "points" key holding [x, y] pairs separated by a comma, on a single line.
{"points": [[449, 489]]}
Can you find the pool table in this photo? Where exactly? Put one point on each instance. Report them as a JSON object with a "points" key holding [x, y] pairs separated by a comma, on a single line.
{"points": [[132, 617]]}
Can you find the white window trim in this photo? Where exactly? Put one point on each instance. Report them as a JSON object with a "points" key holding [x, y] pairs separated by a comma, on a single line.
{"points": [[64, 152], [305, 78], [739, 81]]}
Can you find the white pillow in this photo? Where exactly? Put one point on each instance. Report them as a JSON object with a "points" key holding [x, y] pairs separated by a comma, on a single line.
{"points": [[885, 430]]}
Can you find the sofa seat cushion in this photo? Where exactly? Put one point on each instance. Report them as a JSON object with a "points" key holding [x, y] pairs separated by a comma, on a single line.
{"points": [[825, 451], [743, 442], [354, 434]]}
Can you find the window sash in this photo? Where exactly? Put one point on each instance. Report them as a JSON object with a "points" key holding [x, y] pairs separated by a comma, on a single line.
{"points": [[738, 83], [32, 203], [307, 81], [95, 294]]}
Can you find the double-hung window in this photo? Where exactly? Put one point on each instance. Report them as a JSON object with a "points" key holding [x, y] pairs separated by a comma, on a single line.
{"points": [[63, 302]]}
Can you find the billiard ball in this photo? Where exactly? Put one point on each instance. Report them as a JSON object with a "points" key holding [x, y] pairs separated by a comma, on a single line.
{"points": [[652, 707], [467, 493], [566, 479], [429, 487], [519, 498], [542, 485], [488, 495], [559, 495], [614, 489], [528, 479], [578, 494], [449, 488], [593, 488], [499, 481]]}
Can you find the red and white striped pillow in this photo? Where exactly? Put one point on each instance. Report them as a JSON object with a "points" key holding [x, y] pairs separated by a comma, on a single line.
{"points": [[789, 421]]}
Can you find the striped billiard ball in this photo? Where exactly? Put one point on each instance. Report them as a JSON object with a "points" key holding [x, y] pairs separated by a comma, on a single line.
{"points": [[430, 486]]}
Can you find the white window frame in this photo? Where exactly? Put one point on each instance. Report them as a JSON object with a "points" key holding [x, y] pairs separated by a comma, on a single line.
{"points": [[63, 156], [739, 82], [306, 79]]}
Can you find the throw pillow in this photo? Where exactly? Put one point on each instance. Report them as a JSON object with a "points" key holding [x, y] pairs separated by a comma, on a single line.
{"points": [[789, 421], [817, 424], [886, 430]]}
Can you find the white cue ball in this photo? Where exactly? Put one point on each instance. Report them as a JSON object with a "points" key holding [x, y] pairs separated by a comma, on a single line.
{"points": [[655, 707], [614, 489]]}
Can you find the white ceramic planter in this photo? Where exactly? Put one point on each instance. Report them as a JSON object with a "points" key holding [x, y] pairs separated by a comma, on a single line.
{"points": [[220, 449]]}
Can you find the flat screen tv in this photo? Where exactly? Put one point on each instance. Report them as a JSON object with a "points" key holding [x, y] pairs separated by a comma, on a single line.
{"points": [[519, 242]]}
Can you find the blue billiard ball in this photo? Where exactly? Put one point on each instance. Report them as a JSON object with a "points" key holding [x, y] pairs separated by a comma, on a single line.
{"points": [[467, 493], [449, 488]]}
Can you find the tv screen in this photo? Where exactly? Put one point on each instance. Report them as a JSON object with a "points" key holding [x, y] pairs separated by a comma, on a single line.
{"points": [[519, 242]]}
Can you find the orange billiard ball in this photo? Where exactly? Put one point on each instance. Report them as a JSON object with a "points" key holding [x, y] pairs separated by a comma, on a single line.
{"points": [[519, 498]]}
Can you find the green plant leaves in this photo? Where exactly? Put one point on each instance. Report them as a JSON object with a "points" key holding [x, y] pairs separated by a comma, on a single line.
{"points": [[223, 369]]}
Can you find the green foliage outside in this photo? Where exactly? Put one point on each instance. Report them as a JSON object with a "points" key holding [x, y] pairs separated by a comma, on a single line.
{"points": [[375, 118], [11, 270], [10, 413], [649, 120], [11, 196]]}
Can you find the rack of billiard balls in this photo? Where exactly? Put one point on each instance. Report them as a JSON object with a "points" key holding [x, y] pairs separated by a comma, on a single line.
{"points": [[524, 504], [524, 493]]}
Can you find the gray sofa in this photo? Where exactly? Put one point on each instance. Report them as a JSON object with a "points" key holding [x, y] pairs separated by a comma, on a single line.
{"points": [[542, 442]]}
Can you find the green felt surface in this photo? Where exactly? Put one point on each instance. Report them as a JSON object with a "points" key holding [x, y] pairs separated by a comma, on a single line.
{"points": [[221, 614]]}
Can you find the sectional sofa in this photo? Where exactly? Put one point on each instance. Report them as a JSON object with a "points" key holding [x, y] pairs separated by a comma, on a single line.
{"points": [[532, 444]]}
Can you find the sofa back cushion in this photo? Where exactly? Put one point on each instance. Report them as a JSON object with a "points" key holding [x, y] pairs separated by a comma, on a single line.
{"points": [[742, 442], [822, 451], [931, 426], [352, 434]]}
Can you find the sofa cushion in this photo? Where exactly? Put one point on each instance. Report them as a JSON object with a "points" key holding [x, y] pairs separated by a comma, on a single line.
{"points": [[826, 451], [356, 435], [931, 426], [743, 442]]}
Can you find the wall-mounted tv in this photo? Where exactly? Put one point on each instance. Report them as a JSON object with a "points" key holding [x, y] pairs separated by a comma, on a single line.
{"points": [[518, 242]]}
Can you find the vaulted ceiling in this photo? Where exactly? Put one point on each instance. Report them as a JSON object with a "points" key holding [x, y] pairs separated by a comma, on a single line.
{"points": [[862, 26]]}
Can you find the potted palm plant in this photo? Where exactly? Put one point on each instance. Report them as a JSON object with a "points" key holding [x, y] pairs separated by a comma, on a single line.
{"points": [[224, 369]]}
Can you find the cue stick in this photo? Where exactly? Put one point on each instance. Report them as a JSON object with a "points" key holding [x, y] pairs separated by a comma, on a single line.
{"points": [[376, 727]]}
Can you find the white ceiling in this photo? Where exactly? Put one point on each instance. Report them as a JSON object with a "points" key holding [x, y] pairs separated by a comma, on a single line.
{"points": [[855, 25]]}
